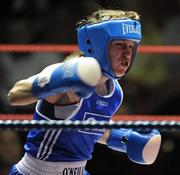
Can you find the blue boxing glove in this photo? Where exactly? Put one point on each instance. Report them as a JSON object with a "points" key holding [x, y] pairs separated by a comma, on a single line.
{"points": [[141, 148], [79, 75]]}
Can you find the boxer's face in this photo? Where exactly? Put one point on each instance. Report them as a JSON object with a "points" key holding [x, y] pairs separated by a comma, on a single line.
{"points": [[120, 54]]}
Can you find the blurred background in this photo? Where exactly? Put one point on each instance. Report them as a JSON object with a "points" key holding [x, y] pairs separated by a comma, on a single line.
{"points": [[151, 87]]}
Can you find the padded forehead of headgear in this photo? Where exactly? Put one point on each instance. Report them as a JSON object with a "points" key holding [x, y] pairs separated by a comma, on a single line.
{"points": [[109, 29]]}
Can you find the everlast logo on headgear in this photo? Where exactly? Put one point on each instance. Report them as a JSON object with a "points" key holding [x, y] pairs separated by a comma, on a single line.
{"points": [[127, 28]]}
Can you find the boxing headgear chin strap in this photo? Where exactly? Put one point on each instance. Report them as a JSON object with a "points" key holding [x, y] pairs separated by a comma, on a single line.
{"points": [[94, 39]]}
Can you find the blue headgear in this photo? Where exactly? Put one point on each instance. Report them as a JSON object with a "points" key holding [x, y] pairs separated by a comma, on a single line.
{"points": [[94, 39]]}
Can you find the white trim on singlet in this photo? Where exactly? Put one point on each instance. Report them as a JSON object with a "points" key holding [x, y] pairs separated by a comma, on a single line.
{"points": [[72, 115], [121, 98], [43, 116], [111, 93]]}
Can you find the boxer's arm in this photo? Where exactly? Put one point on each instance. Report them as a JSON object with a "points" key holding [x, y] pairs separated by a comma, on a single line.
{"points": [[77, 75], [21, 93]]}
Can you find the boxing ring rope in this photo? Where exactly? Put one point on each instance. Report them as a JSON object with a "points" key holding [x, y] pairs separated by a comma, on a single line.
{"points": [[145, 122], [25, 122], [144, 49], [67, 124]]}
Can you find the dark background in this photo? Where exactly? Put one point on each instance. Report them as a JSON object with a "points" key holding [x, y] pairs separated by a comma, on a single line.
{"points": [[151, 87]]}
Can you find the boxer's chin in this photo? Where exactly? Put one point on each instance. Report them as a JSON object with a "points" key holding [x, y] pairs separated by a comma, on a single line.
{"points": [[120, 72]]}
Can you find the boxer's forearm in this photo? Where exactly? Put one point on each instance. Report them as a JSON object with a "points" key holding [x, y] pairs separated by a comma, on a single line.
{"points": [[21, 93]]}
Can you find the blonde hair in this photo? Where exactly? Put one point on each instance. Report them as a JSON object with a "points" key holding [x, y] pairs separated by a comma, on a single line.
{"points": [[74, 55], [101, 15]]}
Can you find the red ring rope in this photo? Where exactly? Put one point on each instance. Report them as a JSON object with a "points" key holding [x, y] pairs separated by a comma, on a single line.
{"points": [[65, 48], [115, 117]]}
